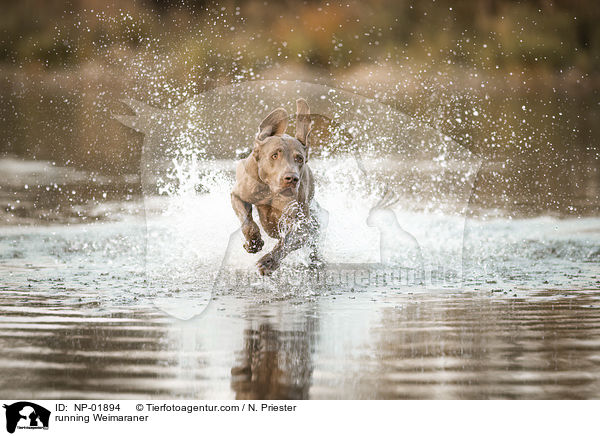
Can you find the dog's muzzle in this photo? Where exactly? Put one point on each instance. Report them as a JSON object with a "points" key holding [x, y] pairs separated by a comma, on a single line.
{"points": [[290, 179]]}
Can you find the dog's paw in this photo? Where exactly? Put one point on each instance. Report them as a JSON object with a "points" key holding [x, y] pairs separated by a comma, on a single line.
{"points": [[267, 264], [254, 245]]}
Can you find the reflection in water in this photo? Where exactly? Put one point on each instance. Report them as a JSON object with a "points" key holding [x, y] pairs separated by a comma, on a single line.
{"points": [[274, 365], [376, 344]]}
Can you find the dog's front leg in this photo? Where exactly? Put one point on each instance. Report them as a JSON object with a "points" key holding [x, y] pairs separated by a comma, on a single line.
{"points": [[250, 230], [293, 239], [270, 261]]}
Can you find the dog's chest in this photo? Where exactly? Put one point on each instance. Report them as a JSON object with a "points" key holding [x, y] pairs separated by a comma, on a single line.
{"points": [[259, 193], [269, 219]]}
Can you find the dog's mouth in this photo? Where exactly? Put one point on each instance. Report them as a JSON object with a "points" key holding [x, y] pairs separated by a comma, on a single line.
{"points": [[288, 192]]}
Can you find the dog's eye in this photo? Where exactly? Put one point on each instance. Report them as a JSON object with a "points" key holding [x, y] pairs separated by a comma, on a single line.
{"points": [[299, 159], [274, 156]]}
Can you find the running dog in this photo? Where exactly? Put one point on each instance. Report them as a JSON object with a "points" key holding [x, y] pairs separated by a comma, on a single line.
{"points": [[276, 179]]}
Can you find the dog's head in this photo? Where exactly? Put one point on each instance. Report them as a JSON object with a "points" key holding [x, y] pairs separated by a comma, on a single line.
{"points": [[281, 157]]}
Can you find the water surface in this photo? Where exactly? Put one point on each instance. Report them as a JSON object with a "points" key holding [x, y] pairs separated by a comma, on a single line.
{"points": [[82, 312]]}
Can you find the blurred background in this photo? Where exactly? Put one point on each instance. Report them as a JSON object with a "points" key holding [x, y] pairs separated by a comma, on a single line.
{"points": [[514, 81]]}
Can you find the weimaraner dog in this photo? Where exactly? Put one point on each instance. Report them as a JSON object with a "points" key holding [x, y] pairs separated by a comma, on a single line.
{"points": [[277, 181]]}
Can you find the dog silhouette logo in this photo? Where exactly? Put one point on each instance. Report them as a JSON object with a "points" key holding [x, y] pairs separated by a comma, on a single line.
{"points": [[26, 415]]}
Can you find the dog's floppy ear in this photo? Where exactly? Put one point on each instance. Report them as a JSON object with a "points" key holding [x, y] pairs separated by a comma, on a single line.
{"points": [[302, 121], [274, 124]]}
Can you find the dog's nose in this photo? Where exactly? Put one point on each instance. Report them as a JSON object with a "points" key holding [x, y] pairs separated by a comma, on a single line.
{"points": [[291, 178]]}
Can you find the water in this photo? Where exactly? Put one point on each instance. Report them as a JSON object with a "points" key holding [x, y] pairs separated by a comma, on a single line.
{"points": [[86, 311], [344, 345]]}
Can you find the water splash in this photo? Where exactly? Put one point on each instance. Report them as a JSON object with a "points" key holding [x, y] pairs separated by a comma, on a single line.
{"points": [[362, 147]]}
